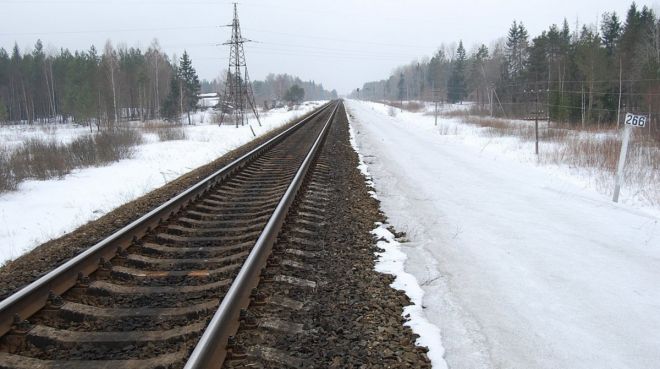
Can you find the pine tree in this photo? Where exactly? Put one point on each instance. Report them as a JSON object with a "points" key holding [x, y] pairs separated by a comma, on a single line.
{"points": [[401, 87], [189, 85], [611, 30], [516, 47], [456, 87], [171, 106], [477, 77], [588, 57], [294, 94]]}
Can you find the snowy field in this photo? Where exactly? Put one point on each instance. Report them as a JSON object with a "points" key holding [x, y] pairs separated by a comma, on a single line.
{"points": [[520, 265], [42, 210]]}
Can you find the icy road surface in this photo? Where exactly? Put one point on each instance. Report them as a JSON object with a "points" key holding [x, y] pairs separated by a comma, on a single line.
{"points": [[520, 268]]}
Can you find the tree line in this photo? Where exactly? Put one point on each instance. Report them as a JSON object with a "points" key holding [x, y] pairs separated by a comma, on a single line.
{"points": [[92, 87], [575, 76], [100, 88], [277, 88]]}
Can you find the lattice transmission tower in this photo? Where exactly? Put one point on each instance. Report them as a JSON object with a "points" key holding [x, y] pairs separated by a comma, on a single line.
{"points": [[238, 96]]}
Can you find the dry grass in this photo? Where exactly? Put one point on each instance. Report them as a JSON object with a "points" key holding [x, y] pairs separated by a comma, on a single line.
{"points": [[454, 114], [172, 134], [7, 179], [600, 157], [603, 154], [593, 150], [472, 111], [165, 131], [412, 106], [46, 159]]}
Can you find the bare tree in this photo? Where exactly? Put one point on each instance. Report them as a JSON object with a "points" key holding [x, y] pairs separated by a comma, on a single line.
{"points": [[110, 60]]}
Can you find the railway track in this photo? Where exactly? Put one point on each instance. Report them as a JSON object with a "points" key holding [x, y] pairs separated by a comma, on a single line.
{"points": [[171, 288], [276, 327]]}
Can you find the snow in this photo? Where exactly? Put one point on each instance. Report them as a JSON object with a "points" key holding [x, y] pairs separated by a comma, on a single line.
{"points": [[391, 261], [12, 136], [42, 210], [520, 267]]}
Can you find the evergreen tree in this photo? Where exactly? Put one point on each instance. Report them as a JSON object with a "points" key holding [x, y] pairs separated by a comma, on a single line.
{"points": [[516, 47], [456, 87], [438, 72], [611, 30], [171, 109], [538, 63], [589, 68], [401, 87], [294, 94], [189, 85], [477, 79], [78, 100], [36, 86]]}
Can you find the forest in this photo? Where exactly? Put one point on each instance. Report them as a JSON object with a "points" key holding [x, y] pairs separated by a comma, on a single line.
{"points": [[273, 89], [583, 75], [116, 84], [83, 86]]}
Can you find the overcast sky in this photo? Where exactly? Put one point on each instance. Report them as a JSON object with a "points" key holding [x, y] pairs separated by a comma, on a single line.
{"points": [[340, 43]]}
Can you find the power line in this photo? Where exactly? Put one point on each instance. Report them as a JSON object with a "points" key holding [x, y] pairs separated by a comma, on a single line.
{"points": [[527, 103], [342, 40], [305, 50], [545, 83], [607, 93], [106, 30]]}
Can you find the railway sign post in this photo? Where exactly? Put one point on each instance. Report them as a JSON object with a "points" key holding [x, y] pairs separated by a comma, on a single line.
{"points": [[632, 120]]}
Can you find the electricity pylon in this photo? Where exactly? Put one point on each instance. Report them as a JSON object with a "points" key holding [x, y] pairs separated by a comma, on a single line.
{"points": [[238, 95]]}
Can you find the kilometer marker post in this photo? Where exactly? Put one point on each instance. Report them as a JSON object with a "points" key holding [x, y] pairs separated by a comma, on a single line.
{"points": [[631, 120]]}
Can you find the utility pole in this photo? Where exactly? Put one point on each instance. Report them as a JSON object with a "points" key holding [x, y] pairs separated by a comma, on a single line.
{"points": [[618, 111], [536, 124], [536, 113], [238, 95], [435, 102], [490, 99], [547, 103], [582, 107]]}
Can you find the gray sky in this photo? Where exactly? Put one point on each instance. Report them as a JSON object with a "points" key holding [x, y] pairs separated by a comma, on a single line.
{"points": [[340, 43]]}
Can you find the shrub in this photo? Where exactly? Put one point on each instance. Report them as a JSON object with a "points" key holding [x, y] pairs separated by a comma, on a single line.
{"points": [[391, 111], [83, 151], [116, 145], [167, 131], [41, 160], [171, 134], [8, 180], [412, 106]]}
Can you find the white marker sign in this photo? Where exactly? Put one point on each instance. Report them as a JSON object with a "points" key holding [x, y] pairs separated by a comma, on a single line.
{"points": [[632, 120], [635, 120]]}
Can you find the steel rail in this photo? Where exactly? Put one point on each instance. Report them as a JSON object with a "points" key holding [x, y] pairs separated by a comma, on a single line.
{"points": [[210, 351], [34, 296]]}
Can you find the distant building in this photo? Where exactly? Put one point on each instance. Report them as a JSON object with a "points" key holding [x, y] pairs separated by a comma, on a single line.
{"points": [[208, 100]]}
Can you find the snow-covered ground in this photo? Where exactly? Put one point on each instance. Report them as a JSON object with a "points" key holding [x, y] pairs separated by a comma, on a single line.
{"points": [[42, 210], [392, 261], [520, 267]]}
